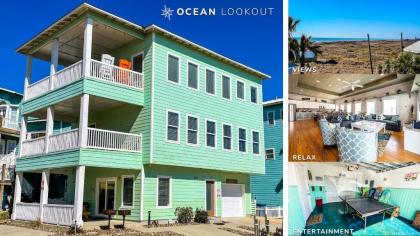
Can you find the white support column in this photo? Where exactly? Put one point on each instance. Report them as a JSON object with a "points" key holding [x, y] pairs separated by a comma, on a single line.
{"points": [[28, 76], [44, 192], [23, 133], [54, 62], [18, 192], [78, 195], [49, 127], [87, 46], [83, 120]]}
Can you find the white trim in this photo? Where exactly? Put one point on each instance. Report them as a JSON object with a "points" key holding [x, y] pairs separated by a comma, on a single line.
{"points": [[167, 68], [243, 89], [246, 140], [157, 191], [122, 191], [198, 130], [179, 127], [215, 133], [214, 82], [274, 154], [230, 86], [231, 137], [198, 74], [142, 62], [256, 94], [214, 192], [274, 118], [106, 179], [152, 92], [142, 194], [259, 142]]}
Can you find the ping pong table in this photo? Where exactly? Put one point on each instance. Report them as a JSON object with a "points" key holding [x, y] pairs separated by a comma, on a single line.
{"points": [[364, 207]]}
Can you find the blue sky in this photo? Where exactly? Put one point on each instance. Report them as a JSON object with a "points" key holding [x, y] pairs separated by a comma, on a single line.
{"points": [[255, 41], [356, 18]]}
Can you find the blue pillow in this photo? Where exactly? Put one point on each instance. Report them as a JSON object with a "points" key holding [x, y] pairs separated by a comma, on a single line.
{"points": [[395, 118]]}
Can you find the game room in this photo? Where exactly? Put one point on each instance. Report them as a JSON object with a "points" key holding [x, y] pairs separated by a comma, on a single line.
{"points": [[354, 199]]}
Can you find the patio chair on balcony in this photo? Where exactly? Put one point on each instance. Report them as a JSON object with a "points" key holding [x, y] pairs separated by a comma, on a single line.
{"points": [[123, 77], [105, 70]]}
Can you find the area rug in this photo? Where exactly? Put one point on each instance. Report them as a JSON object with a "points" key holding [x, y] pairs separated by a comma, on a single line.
{"points": [[383, 139], [389, 227], [315, 219]]}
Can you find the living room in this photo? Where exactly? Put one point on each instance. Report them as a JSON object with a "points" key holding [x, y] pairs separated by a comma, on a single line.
{"points": [[354, 117]]}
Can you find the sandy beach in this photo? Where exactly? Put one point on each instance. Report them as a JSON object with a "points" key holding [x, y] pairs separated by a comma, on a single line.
{"points": [[353, 56]]}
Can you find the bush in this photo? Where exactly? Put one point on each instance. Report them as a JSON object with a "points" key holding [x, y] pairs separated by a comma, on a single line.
{"points": [[4, 215], [184, 214], [278, 232], [201, 216]]}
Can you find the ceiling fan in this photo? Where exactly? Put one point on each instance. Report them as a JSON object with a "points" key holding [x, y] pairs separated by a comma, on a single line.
{"points": [[353, 85]]}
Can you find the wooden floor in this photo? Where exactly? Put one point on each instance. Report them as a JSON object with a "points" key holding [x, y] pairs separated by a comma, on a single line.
{"points": [[305, 140]]}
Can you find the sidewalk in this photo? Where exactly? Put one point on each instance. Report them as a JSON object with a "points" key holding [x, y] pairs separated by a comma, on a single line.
{"points": [[20, 231]]}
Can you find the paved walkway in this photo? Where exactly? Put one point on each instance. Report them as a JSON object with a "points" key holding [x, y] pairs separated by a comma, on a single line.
{"points": [[20, 231]]}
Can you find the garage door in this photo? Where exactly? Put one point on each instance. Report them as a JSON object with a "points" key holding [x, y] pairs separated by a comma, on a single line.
{"points": [[232, 200]]}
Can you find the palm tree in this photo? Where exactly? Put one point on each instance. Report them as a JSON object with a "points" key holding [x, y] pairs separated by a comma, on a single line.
{"points": [[293, 43], [306, 44]]}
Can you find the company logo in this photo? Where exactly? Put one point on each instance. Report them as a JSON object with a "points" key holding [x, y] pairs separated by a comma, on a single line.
{"points": [[167, 12]]}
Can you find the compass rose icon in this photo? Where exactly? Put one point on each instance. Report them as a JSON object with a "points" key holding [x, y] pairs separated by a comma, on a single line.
{"points": [[167, 12]]}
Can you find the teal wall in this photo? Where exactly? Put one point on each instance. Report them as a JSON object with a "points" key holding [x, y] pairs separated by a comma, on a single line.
{"points": [[296, 219], [179, 97], [407, 199], [9, 98], [267, 188], [317, 192]]}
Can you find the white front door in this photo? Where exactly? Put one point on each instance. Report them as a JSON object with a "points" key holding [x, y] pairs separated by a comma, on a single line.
{"points": [[331, 189], [232, 200], [105, 194]]}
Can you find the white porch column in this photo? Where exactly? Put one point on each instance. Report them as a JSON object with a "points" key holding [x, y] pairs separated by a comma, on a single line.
{"points": [[23, 133], [28, 76], [54, 62], [49, 128], [83, 120], [87, 46], [44, 192], [18, 192], [78, 195]]}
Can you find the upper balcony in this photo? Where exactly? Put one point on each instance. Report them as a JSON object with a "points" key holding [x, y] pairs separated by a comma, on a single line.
{"points": [[89, 50]]}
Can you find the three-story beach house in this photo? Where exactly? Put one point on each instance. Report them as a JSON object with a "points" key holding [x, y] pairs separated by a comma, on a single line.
{"points": [[157, 122]]}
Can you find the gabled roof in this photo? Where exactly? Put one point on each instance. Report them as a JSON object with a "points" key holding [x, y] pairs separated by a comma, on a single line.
{"points": [[40, 38], [414, 48], [273, 102], [10, 91]]}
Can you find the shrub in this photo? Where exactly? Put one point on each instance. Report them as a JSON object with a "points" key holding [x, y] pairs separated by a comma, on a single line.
{"points": [[184, 214], [4, 215], [36, 224], [201, 216], [278, 232]]}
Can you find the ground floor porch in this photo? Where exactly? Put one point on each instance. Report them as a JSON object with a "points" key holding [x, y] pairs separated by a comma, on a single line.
{"points": [[74, 195]]}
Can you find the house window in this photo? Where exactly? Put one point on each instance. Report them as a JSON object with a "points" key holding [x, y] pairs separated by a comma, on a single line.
{"points": [[357, 107], [226, 87], [210, 82], [164, 192], [390, 107], [11, 145], [269, 154], [370, 107], [211, 134], [173, 68], [57, 187], [270, 118], [242, 139], [192, 130], [348, 107], [253, 94], [255, 142], [240, 90], [128, 190], [173, 126], [138, 63], [192, 75], [227, 137]]}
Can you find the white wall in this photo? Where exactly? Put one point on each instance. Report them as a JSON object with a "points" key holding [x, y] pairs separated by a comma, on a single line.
{"points": [[299, 98], [395, 178]]}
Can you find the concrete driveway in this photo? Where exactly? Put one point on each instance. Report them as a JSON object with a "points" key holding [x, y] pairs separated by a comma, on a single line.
{"points": [[19, 231]]}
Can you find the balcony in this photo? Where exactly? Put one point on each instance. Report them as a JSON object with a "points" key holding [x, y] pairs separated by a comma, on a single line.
{"points": [[97, 70], [96, 139], [9, 123]]}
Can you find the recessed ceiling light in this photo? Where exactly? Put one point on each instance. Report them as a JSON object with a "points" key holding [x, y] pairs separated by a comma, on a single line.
{"points": [[329, 85], [372, 79], [318, 81], [301, 90], [339, 79]]}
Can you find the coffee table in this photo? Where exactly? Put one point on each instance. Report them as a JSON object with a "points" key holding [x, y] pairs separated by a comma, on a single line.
{"points": [[369, 125]]}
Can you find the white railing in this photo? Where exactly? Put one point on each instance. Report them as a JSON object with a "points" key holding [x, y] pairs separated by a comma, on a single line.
{"points": [[58, 214], [33, 146], [270, 211], [112, 140], [38, 88], [63, 141], [9, 123], [116, 74], [27, 211], [67, 75]]}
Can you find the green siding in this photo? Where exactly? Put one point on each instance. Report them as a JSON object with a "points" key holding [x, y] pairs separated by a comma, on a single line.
{"points": [[52, 160], [296, 219], [180, 98]]}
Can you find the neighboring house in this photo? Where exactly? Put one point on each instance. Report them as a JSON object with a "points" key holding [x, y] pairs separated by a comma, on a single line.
{"points": [[173, 125], [267, 189]]}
